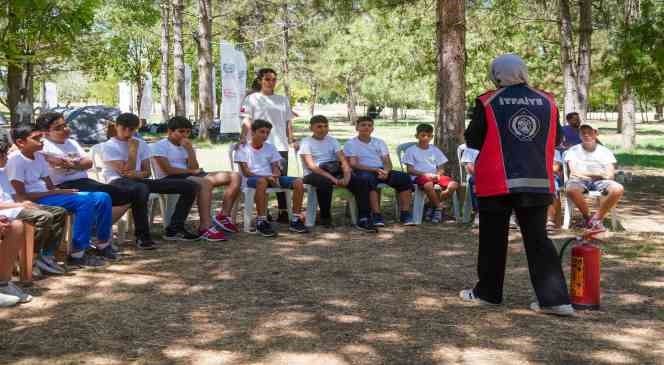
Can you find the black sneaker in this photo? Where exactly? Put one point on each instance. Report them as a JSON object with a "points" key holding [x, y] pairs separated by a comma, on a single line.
{"points": [[145, 244], [298, 226], [283, 217], [181, 234], [86, 260], [365, 225], [107, 253], [265, 228], [326, 223], [378, 220]]}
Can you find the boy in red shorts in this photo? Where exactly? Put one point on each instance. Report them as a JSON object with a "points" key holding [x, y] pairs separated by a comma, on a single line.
{"points": [[424, 163]]}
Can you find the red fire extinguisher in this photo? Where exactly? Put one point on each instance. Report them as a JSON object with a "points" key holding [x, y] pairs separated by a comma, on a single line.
{"points": [[584, 286]]}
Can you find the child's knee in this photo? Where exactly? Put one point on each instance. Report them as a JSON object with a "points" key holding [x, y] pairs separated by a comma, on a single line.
{"points": [[298, 185], [261, 183], [428, 186], [453, 186]]}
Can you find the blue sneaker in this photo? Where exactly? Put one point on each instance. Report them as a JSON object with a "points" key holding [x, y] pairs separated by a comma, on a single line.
{"points": [[86, 261], [407, 219], [107, 253], [378, 220], [365, 225]]}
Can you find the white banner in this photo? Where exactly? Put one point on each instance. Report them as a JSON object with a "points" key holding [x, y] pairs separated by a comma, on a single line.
{"points": [[188, 105], [146, 100], [233, 82], [124, 97], [51, 94], [214, 92]]}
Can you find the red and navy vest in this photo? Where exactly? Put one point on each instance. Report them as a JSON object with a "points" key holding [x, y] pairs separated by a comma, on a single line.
{"points": [[517, 154]]}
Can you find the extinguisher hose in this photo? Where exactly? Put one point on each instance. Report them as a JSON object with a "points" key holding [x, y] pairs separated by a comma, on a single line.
{"points": [[567, 243]]}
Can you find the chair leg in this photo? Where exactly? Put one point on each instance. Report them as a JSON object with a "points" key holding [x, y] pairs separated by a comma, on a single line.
{"points": [[567, 216], [171, 201], [418, 205], [467, 206], [289, 204], [455, 206], [248, 207], [352, 207], [312, 206], [26, 255]]}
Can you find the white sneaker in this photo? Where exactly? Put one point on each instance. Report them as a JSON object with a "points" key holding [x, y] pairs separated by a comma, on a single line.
{"points": [[44, 267], [14, 290], [7, 300], [565, 310], [469, 296]]}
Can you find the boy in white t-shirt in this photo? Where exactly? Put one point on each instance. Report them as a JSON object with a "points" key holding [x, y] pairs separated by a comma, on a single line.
{"points": [[127, 164], [591, 168], [68, 164], [370, 160], [259, 163], [325, 167], [28, 173], [425, 163], [12, 240], [175, 158], [49, 221]]}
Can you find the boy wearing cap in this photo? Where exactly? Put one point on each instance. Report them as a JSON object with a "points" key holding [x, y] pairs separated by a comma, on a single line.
{"points": [[591, 168]]}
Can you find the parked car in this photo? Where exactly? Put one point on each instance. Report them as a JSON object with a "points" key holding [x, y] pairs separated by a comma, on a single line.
{"points": [[88, 124]]}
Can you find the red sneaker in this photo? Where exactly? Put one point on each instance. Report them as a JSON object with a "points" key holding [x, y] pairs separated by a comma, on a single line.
{"points": [[211, 234], [225, 223]]}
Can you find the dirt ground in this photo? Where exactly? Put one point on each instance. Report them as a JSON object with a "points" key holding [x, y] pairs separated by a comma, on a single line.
{"points": [[341, 297]]}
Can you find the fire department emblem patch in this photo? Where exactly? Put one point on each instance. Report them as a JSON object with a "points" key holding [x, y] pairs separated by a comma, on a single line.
{"points": [[524, 125]]}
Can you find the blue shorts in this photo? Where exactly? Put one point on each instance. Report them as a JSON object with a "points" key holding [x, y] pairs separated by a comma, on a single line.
{"points": [[284, 181]]}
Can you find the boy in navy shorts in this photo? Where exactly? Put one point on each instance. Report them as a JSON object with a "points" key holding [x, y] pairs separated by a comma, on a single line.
{"points": [[259, 163]]}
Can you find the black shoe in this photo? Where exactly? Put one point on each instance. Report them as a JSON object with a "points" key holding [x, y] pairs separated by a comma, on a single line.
{"points": [[283, 217], [145, 244], [87, 260], [365, 225], [181, 234], [378, 220], [326, 223], [265, 228], [298, 226], [107, 253]]}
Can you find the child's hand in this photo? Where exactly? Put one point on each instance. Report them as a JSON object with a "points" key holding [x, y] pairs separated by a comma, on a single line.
{"points": [[382, 174], [186, 143], [344, 182]]}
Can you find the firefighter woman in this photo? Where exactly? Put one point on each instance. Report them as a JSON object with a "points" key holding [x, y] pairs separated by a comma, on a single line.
{"points": [[515, 128]]}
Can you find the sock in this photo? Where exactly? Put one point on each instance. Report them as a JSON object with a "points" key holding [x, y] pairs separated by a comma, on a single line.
{"points": [[101, 246], [78, 255], [405, 212], [261, 218]]}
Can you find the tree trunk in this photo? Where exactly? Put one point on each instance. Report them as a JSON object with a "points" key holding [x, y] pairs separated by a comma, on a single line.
{"points": [[205, 102], [395, 113], [165, 60], [285, 50], [43, 104], [313, 98], [567, 59], [659, 111], [583, 63], [14, 86], [451, 28], [178, 59], [350, 103], [619, 124]]}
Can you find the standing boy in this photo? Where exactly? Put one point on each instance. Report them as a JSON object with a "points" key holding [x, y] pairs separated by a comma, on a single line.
{"points": [[370, 160], [259, 163], [127, 164], [424, 162], [28, 172], [325, 167], [175, 158]]}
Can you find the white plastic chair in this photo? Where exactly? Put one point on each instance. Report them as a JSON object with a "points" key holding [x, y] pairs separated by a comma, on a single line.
{"points": [[594, 195], [249, 193], [419, 197], [464, 182]]}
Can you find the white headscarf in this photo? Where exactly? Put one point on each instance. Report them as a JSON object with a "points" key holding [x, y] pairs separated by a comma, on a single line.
{"points": [[508, 69]]}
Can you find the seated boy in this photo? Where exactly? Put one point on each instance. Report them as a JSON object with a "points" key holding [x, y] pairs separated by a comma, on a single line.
{"points": [[28, 173], [591, 168], [259, 163], [424, 162], [68, 163], [12, 240], [127, 164], [325, 167], [370, 160], [175, 158], [49, 221]]}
